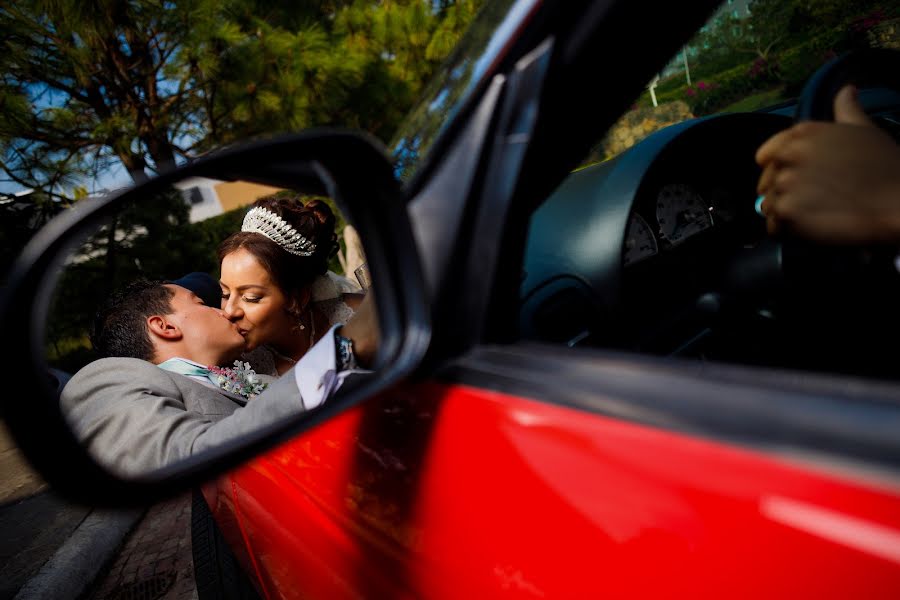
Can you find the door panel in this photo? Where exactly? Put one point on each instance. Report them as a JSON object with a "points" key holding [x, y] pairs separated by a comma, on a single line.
{"points": [[446, 491]]}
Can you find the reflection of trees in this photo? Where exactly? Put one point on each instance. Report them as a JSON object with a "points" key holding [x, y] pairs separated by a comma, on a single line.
{"points": [[22, 216], [153, 239]]}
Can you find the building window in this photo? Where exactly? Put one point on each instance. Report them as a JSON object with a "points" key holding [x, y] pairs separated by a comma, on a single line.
{"points": [[193, 196]]}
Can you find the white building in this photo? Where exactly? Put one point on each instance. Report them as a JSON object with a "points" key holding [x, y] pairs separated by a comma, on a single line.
{"points": [[210, 197]]}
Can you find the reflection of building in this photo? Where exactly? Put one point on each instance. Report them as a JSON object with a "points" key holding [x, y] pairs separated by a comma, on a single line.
{"points": [[210, 197]]}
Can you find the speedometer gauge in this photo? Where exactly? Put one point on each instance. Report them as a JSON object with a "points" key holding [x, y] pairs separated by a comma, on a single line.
{"points": [[640, 242], [681, 212]]}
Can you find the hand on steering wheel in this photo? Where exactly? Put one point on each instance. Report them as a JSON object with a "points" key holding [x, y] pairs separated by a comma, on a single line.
{"points": [[832, 194], [833, 182]]}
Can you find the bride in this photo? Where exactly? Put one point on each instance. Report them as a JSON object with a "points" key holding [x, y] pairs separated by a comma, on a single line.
{"points": [[275, 281]]}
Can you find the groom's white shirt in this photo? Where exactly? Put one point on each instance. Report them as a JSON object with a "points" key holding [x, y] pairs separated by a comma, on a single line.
{"points": [[316, 372]]}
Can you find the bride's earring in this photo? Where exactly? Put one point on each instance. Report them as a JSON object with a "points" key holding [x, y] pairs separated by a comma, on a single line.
{"points": [[300, 324]]}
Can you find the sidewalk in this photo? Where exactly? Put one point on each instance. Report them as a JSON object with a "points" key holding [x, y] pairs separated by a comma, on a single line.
{"points": [[50, 547], [33, 529], [155, 561], [34, 521], [79, 561]]}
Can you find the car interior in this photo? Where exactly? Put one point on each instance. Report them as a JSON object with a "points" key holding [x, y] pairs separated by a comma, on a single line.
{"points": [[660, 250]]}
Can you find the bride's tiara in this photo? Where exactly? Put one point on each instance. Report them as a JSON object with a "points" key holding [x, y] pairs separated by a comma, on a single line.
{"points": [[264, 221]]}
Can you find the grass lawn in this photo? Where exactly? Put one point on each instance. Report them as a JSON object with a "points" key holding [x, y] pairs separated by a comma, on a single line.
{"points": [[756, 101]]}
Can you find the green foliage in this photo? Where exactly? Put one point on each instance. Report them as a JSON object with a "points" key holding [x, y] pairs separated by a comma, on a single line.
{"points": [[142, 83], [707, 97], [21, 218], [70, 354], [87, 75], [756, 101], [209, 233], [776, 48], [152, 239]]}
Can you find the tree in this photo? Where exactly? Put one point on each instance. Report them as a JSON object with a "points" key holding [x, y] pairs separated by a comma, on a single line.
{"points": [[21, 217], [774, 25], [774, 28], [88, 83], [151, 238]]}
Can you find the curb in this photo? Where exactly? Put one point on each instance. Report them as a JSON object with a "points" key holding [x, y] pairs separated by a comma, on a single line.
{"points": [[75, 565]]}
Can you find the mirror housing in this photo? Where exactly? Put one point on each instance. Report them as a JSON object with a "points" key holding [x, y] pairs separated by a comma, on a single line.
{"points": [[349, 167]]}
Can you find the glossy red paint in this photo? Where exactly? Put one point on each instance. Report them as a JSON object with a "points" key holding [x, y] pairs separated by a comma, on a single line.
{"points": [[450, 491]]}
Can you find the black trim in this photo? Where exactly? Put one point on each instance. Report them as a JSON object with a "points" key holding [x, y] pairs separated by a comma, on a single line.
{"points": [[217, 573], [872, 67], [777, 411]]}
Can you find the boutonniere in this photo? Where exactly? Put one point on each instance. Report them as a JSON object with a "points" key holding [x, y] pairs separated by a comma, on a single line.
{"points": [[239, 379]]}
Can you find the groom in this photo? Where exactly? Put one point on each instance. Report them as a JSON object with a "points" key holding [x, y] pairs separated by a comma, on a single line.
{"points": [[135, 417]]}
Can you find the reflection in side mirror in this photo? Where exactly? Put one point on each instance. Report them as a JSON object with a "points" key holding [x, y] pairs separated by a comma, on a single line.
{"points": [[177, 317], [135, 395]]}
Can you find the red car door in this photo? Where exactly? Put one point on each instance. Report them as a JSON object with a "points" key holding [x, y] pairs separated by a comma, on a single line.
{"points": [[453, 489]]}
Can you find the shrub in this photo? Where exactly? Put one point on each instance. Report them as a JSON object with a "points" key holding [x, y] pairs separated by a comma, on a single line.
{"points": [[726, 88]]}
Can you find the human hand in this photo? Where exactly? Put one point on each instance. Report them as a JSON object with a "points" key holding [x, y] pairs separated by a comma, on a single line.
{"points": [[833, 182]]}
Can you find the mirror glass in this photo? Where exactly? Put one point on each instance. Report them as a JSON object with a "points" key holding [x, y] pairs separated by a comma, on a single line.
{"points": [[202, 350]]}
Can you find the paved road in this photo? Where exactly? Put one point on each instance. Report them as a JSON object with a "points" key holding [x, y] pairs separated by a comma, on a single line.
{"points": [[32, 530], [153, 564], [34, 522]]}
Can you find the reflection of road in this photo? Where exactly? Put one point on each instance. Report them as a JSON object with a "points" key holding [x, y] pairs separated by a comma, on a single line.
{"points": [[33, 529], [155, 561], [17, 479], [34, 522]]}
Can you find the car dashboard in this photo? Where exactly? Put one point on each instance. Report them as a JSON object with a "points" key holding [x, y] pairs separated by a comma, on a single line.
{"points": [[692, 217], [660, 250]]}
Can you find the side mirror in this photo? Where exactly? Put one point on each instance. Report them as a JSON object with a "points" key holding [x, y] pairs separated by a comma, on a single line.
{"points": [[71, 264]]}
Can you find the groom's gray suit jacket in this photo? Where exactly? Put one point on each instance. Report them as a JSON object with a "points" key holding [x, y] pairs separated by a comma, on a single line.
{"points": [[135, 417]]}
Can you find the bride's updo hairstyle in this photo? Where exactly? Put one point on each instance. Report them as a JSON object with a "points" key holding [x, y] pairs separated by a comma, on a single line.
{"points": [[291, 270]]}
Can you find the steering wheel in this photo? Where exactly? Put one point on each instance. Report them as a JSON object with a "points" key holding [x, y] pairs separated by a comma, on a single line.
{"points": [[834, 303], [869, 67]]}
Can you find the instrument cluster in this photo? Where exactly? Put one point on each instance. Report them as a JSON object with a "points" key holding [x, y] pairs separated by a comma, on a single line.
{"points": [[678, 213]]}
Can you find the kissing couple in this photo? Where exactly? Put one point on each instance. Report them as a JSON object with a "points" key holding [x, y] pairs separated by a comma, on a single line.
{"points": [[163, 390]]}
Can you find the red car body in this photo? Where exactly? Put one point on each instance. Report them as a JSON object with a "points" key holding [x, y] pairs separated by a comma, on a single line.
{"points": [[489, 495]]}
